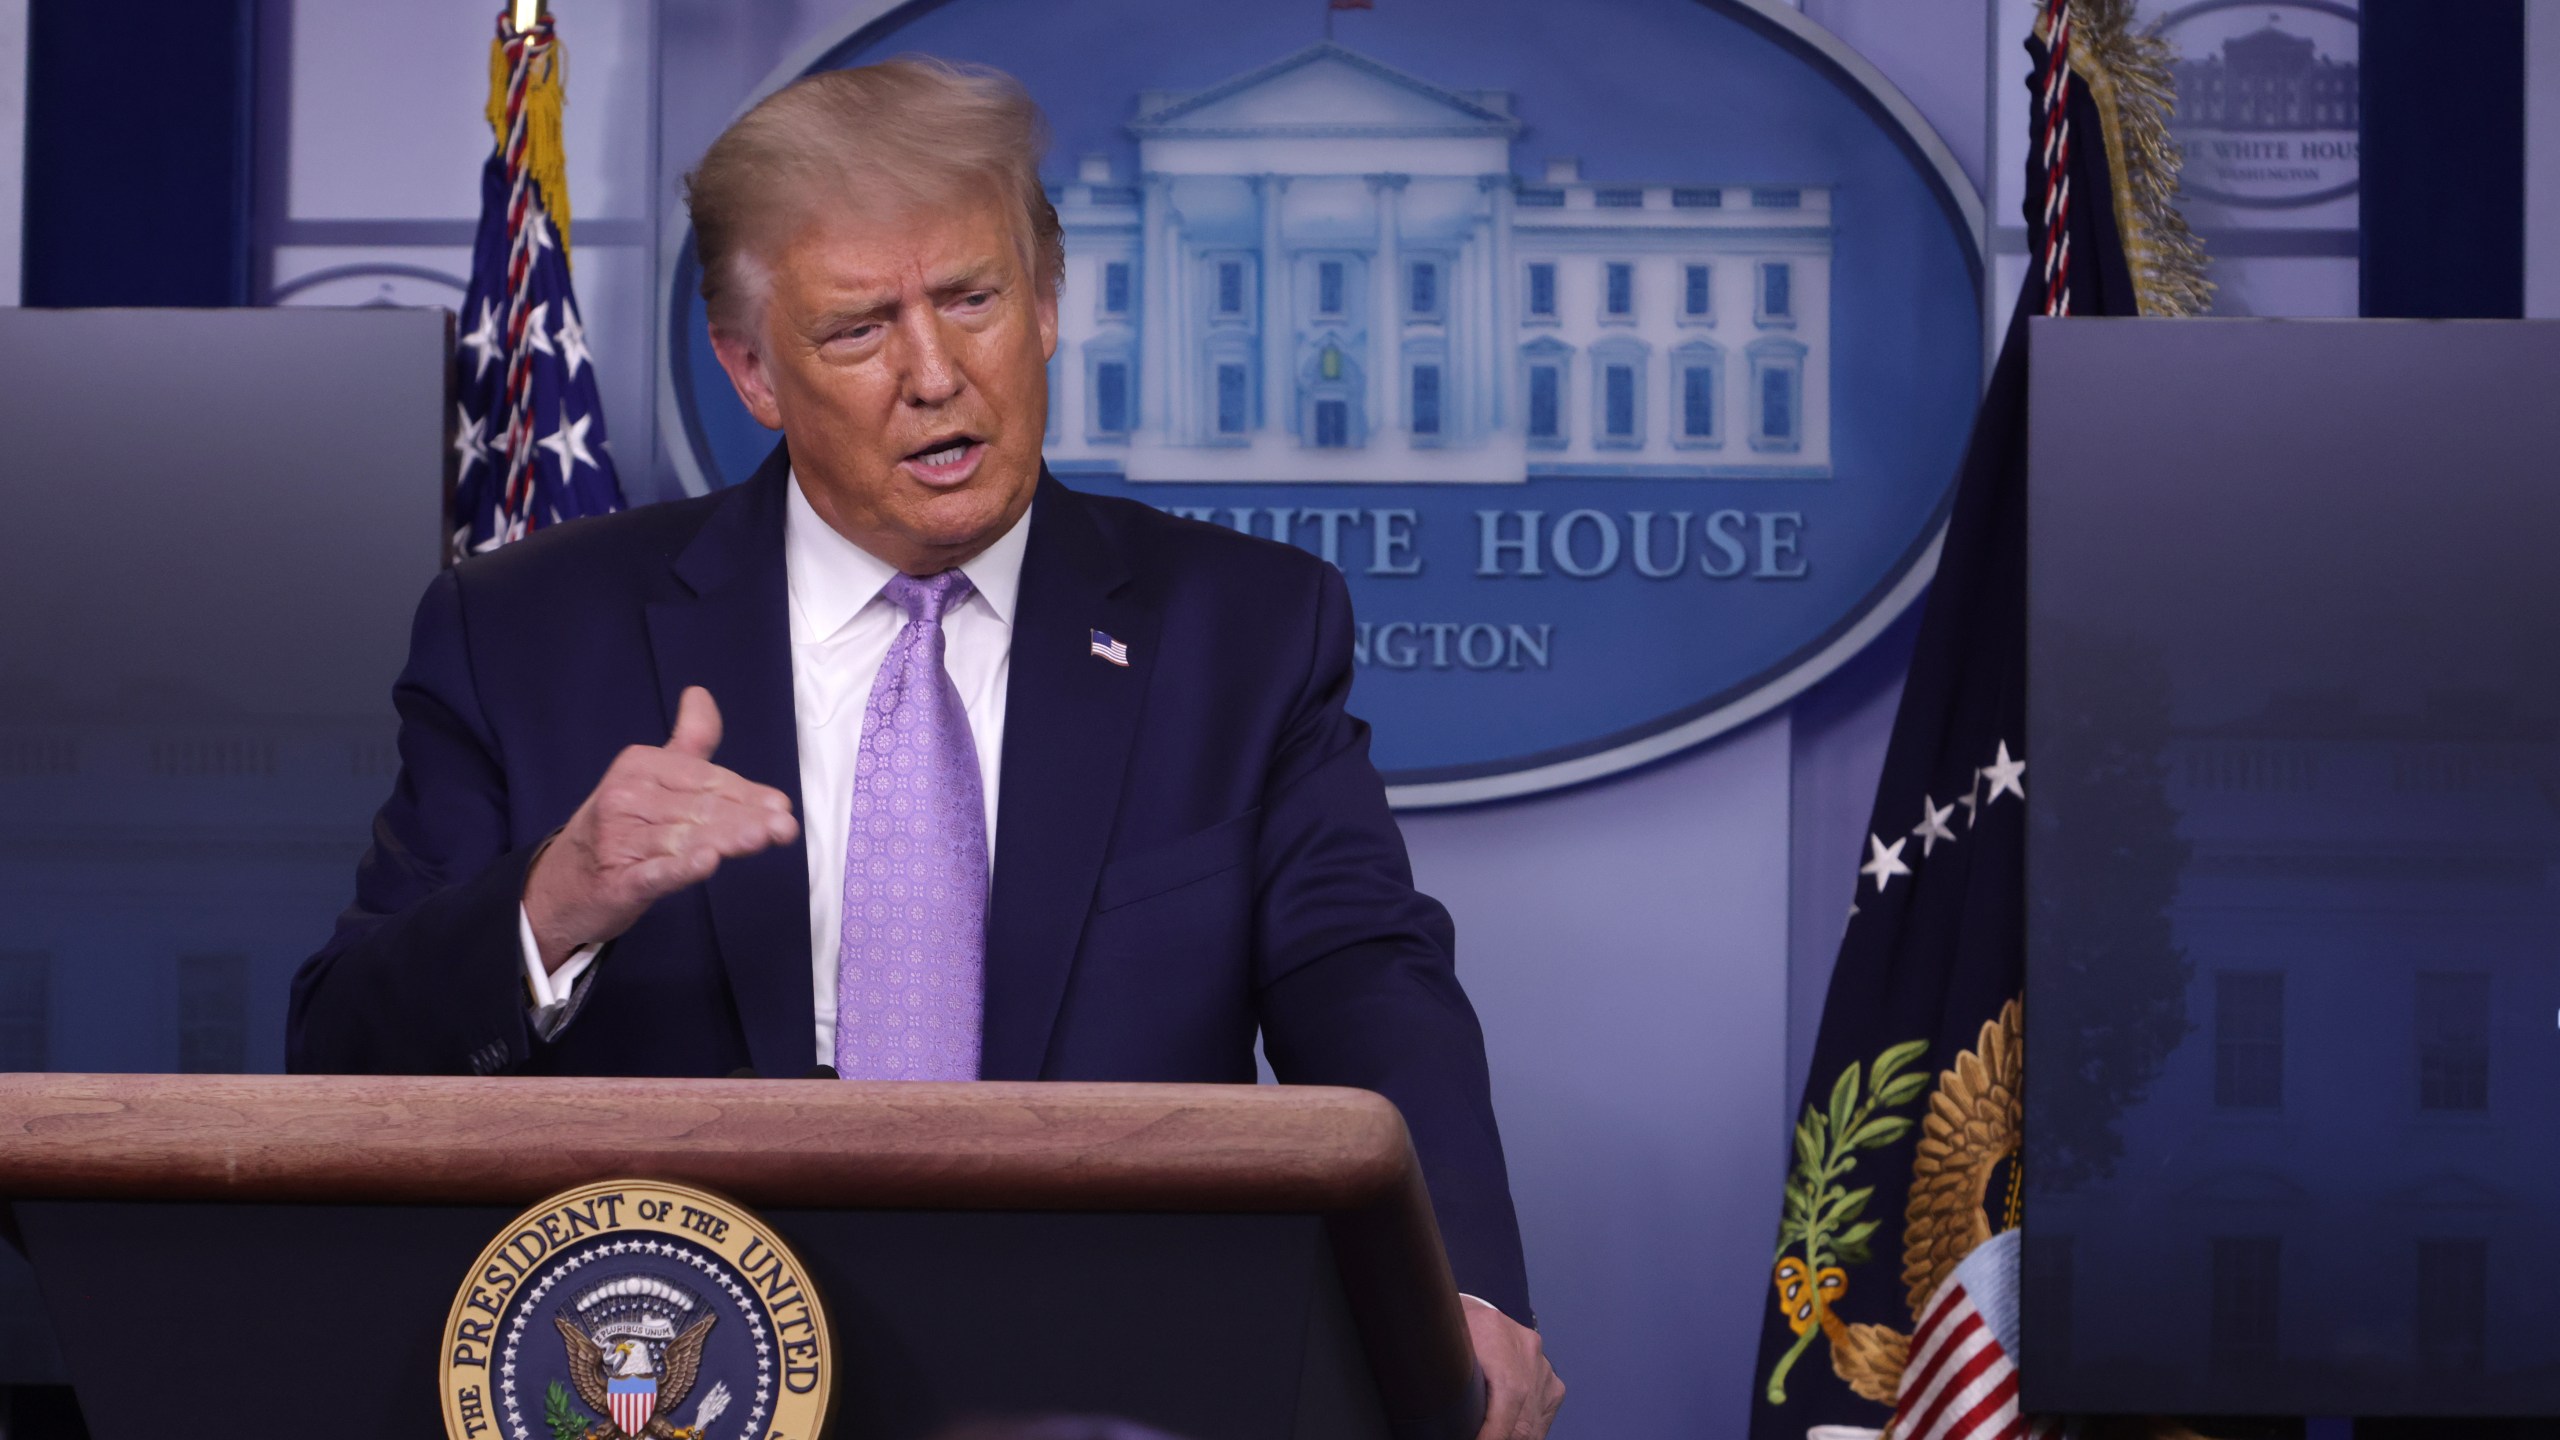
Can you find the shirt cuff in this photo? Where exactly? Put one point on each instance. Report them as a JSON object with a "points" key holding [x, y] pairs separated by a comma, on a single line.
{"points": [[1496, 1309], [554, 992]]}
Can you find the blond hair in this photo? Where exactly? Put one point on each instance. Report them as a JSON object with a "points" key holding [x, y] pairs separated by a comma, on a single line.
{"points": [[883, 139]]}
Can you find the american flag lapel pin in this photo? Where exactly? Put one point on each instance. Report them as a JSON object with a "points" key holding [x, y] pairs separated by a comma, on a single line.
{"points": [[1112, 650]]}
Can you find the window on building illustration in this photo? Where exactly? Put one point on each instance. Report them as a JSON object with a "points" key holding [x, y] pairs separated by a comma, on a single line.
{"points": [[1426, 399], [1618, 401], [1777, 291], [1333, 424], [1424, 293], [1778, 404], [1329, 287], [2241, 1331], [1115, 288], [2248, 1039], [2453, 1306], [1232, 399], [213, 1014], [1697, 291], [1542, 290], [1230, 287], [1546, 402], [26, 1009], [1698, 402], [1111, 397], [1621, 284], [2453, 1041]]}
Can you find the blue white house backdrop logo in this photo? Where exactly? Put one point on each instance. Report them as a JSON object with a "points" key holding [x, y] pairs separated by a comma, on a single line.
{"points": [[1305, 320], [1551, 365]]}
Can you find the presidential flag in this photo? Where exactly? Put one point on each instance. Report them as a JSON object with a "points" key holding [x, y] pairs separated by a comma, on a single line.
{"points": [[1906, 1158], [529, 440]]}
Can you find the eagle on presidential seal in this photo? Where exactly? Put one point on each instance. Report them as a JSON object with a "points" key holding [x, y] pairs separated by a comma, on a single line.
{"points": [[635, 1351]]}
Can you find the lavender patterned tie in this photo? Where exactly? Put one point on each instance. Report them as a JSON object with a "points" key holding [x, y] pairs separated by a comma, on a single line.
{"points": [[910, 969]]}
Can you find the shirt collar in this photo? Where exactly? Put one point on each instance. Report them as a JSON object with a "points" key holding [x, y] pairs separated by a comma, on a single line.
{"points": [[831, 579]]}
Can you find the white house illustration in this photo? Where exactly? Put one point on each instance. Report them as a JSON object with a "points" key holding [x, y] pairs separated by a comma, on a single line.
{"points": [[1329, 272]]}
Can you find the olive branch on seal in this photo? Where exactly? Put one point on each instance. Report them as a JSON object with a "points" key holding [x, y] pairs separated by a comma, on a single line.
{"points": [[1822, 1215], [565, 1422]]}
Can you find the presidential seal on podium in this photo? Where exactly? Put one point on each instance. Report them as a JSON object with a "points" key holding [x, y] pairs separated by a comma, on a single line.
{"points": [[635, 1310]]}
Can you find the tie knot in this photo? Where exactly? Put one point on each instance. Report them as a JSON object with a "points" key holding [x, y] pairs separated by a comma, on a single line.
{"points": [[926, 597]]}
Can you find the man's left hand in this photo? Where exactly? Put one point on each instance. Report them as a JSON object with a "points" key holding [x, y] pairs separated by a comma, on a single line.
{"points": [[1521, 1391]]}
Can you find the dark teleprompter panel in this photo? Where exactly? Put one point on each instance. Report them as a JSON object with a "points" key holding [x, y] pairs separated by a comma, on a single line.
{"points": [[214, 526], [2294, 728]]}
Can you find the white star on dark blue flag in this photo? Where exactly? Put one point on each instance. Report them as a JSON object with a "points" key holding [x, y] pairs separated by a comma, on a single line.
{"points": [[569, 464]]}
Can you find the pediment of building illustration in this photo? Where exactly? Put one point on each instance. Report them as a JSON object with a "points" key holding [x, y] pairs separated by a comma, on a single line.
{"points": [[1325, 89]]}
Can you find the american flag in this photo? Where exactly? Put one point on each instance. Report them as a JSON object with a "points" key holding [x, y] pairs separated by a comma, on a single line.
{"points": [[1115, 651], [530, 437]]}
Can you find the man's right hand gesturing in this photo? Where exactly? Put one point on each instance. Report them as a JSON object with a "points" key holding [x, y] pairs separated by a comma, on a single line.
{"points": [[662, 818]]}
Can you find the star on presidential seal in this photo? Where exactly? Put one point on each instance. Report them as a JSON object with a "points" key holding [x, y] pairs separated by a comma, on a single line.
{"points": [[635, 1310]]}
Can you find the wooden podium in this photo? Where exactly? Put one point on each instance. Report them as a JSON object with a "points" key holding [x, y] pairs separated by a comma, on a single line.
{"points": [[271, 1255]]}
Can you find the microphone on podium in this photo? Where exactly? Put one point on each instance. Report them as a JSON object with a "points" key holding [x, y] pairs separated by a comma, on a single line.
{"points": [[821, 1072]]}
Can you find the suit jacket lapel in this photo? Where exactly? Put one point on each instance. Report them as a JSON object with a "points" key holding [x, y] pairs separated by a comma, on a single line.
{"points": [[1070, 718], [732, 636]]}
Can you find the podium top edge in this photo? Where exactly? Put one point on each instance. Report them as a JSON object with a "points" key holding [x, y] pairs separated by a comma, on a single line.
{"points": [[447, 1140]]}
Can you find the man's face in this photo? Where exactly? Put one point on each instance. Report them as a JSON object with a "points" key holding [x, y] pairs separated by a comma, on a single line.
{"points": [[907, 358]]}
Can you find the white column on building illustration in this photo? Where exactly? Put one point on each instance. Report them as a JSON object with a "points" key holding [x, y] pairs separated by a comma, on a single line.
{"points": [[1181, 355], [1155, 270], [1276, 346], [1488, 342], [1455, 344], [1503, 343], [1386, 307], [1479, 336], [1457, 397]]}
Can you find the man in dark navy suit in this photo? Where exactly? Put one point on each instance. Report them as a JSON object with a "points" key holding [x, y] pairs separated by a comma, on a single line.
{"points": [[901, 758]]}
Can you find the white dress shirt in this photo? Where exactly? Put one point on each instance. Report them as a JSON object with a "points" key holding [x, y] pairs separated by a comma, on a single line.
{"points": [[841, 626]]}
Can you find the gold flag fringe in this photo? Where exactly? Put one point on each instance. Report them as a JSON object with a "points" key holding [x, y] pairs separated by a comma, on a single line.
{"points": [[2127, 71], [545, 92]]}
